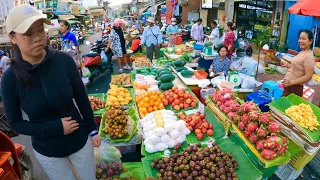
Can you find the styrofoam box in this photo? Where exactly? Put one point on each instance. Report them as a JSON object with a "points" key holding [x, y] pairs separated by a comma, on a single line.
{"points": [[308, 93], [287, 172]]}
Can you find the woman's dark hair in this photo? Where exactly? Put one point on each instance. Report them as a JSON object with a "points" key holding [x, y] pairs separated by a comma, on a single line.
{"points": [[66, 23], [199, 20], [20, 72], [214, 23], [223, 47], [310, 35], [230, 24]]}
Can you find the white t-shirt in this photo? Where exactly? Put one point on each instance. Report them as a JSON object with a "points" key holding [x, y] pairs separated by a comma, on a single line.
{"points": [[4, 63]]}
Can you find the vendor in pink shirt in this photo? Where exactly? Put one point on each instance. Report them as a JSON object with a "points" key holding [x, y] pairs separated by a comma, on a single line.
{"points": [[197, 31]]}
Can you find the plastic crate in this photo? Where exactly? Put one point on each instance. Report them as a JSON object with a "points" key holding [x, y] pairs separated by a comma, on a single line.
{"points": [[8, 171], [299, 161], [261, 98], [287, 172], [200, 74]]}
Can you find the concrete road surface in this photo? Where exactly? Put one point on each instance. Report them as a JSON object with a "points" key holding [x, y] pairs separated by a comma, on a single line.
{"points": [[26, 140]]}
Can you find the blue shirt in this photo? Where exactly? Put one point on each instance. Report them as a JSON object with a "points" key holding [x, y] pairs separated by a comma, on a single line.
{"points": [[172, 29], [70, 37], [221, 65], [151, 35]]}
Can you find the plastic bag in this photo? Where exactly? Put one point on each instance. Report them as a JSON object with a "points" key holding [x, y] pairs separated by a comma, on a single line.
{"points": [[206, 92], [85, 71], [108, 162], [104, 57]]}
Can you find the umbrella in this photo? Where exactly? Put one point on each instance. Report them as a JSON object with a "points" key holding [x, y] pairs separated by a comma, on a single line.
{"points": [[307, 8]]}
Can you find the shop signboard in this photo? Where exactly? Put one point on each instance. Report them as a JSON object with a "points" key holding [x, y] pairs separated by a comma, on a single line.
{"points": [[75, 9], [206, 4]]}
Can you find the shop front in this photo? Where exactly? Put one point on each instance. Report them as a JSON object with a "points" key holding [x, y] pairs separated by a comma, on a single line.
{"points": [[252, 17]]}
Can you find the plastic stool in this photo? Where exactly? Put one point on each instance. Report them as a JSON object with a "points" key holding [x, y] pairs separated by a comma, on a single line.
{"points": [[274, 90]]}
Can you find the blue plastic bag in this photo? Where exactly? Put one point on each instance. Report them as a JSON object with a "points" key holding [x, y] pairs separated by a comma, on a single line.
{"points": [[104, 57]]}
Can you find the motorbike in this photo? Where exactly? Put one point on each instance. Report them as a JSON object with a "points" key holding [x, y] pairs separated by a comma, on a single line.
{"points": [[96, 64], [80, 38], [55, 43], [22, 164], [244, 45]]}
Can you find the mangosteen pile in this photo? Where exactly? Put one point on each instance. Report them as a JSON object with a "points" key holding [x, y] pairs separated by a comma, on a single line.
{"points": [[103, 170], [197, 163]]}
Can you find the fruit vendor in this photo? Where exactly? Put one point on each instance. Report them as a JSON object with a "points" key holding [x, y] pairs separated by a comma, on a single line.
{"points": [[44, 83], [172, 31], [300, 70], [221, 64]]}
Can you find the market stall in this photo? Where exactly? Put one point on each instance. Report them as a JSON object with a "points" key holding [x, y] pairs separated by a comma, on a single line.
{"points": [[234, 134]]}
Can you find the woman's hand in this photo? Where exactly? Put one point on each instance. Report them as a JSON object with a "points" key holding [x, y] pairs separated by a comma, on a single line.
{"points": [[69, 126], [287, 83], [284, 64], [96, 141], [106, 50], [211, 69]]}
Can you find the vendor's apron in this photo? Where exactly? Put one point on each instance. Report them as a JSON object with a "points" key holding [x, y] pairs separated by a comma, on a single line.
{"points": [[172, 41], [295, 89]]}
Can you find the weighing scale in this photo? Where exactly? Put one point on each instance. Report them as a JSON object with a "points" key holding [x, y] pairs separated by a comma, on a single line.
{"points": [[234, 78]]}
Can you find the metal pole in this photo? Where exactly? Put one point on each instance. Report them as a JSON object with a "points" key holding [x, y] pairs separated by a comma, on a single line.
{"points": [[315, 34]]}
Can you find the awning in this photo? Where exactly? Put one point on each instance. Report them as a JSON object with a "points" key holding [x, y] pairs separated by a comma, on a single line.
{"points": [[141, 11], [66, 17]]}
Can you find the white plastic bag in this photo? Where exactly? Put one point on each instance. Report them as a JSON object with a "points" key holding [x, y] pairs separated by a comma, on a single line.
{"points": [[104, 57]]}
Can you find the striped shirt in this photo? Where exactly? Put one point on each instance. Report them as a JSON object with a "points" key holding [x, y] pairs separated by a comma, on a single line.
{"points": [[221, 65]]}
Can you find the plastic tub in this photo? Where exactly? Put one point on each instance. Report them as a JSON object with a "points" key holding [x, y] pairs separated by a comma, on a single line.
{"points": [[198, 47], [261, 98], [200, 74], [8, 171]]}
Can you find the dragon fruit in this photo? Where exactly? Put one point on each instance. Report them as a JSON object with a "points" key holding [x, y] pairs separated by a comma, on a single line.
{"points": [[241, 126], [261, 132], [281, 149], [222, 99], [228, 103], [251, 127], [248, 106], [234, 107], [226, 110], [219, 103], [236, 118], [272, 142], [246, 133], [253, 138], [274, 128], [268, 154], [266, 118], [259, 144], [231, 114], [254, 115], [285, 141], [245, 118]]}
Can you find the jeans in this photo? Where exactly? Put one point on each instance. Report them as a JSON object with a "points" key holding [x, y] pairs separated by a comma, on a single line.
{"points": [[153, 49]]}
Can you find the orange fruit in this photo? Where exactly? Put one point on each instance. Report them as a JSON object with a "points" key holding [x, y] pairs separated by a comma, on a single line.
{"points": [[161, 106], [155, 108], [157, 103], [150, 93], [158, 93], [144, 110], [151, 102], [161, 96], [146, 105], [146, 99], [154, 98], [150, 109]]}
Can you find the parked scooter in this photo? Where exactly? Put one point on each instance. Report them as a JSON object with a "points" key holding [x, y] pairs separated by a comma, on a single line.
{"points": [[22, 163], [244, 45], [96, 64]]}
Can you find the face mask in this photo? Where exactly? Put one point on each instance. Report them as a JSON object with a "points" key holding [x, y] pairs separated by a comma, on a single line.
{"points": [[173, 23]]}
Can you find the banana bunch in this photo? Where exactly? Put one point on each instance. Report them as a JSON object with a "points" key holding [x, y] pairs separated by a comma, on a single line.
{"points": [[303, 116]]}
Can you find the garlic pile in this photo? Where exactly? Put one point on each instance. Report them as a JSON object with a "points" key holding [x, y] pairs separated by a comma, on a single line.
{"points": [[162, 130]]}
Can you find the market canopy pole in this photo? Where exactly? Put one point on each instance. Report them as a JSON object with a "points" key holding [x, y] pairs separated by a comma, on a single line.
{"points": [[307, 8]]}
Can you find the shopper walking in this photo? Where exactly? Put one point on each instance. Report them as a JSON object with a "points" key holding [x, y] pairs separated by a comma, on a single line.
{"points": [[117, 45], [197, 31], [152, 39], [46, 85], [300, 70], [229, 39], [4, 63]]}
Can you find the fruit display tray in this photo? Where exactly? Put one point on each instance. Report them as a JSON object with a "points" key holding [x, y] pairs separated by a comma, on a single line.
{"points": [[101, 96], [169, 107], [246, 169]]}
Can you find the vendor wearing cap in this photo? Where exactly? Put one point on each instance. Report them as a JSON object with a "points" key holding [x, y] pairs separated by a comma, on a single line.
{"points": [[172, 31], [46, 85], [152, 38]]}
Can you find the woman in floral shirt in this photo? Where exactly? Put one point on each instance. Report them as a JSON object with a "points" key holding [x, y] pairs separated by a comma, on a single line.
{"points": [[117, 44], [229, 39]]}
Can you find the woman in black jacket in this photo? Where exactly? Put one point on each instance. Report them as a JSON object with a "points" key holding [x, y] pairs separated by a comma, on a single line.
{"points": [[46, 85]]}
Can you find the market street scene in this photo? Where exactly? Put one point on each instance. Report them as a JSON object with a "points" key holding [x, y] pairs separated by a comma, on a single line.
{"points": [[159, 90]]}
